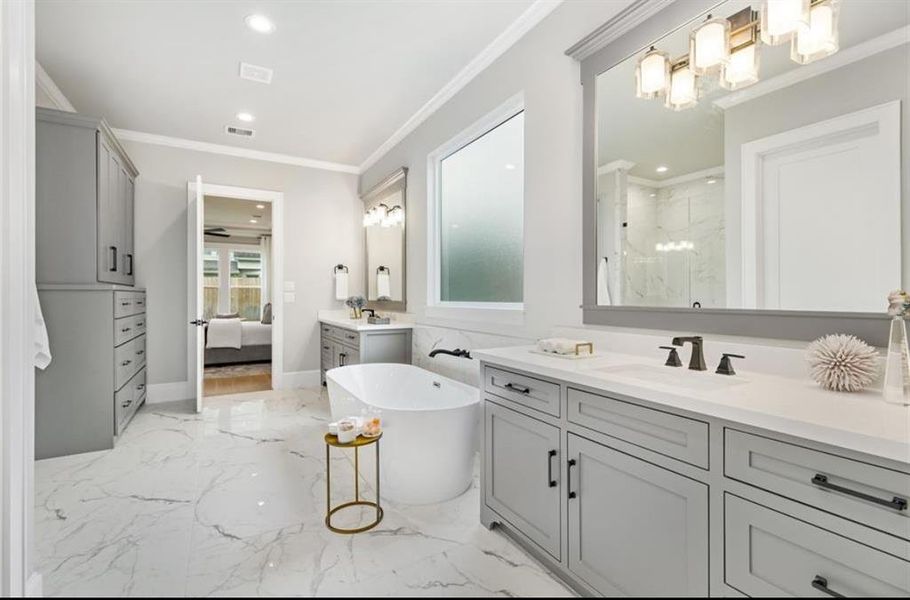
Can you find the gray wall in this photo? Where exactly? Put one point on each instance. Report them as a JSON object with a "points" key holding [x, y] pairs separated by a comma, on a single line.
{"points": [[536, 65], [322, 227], [875, 80]]}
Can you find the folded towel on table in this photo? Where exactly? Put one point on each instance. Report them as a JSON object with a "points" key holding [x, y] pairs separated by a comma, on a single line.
{"points": [[560, 345]]}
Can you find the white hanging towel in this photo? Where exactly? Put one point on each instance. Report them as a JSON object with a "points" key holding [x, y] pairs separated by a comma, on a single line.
{"points": [[341, 285], [603, 290], [383, 285], [42, 344]]}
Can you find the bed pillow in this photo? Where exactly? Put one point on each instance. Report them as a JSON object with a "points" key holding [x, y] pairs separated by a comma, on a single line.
{"points": [[233, 315], [267, 314]]}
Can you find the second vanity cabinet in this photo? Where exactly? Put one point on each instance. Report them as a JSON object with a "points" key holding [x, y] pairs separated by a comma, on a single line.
{"points": [[619, 496], [340, 346]]}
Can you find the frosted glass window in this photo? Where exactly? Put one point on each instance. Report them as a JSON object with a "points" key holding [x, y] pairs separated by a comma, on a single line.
{"points": [[481, 218]]}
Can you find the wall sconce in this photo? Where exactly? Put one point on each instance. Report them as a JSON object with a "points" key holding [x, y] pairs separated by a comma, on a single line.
{"points": [[683, 91], [709, 46], [652, 74], [383, 216], [821, 38], [742, 68], [781, 19]]}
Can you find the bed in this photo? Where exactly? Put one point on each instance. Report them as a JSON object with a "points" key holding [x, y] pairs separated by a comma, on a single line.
{"points": [[232, 341]]}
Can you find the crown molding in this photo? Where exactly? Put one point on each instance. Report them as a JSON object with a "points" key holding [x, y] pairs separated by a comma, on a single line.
{"points": [[185, 144], [47, 85], [534, 14], [884, 42], [627, 19]]}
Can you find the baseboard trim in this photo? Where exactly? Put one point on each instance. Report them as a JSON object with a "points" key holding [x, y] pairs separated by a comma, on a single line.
{"points": [[170, 392], [301, 379]]}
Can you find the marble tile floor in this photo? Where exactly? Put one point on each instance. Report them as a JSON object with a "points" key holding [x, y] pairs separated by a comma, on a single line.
{"points": [[230, 502]]}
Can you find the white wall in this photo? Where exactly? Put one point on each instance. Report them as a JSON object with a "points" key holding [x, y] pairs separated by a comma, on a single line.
{"points": [[537, 66], [322, 228]]}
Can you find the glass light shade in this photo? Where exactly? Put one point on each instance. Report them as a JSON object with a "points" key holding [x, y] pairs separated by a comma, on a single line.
{"points": [[683, 92], [742, 68], [709, 46], [820, 39], [652, 74], [781, 19]]}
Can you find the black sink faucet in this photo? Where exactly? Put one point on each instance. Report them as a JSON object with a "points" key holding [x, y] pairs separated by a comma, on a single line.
{"points": [[455, 352], [697, 360]]}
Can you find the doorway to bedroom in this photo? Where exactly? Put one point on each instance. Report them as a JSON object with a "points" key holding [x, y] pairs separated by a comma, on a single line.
{"points": [[237, 241]]}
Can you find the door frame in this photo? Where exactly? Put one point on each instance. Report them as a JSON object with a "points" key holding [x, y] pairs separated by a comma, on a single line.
{"points": [[277, 263]]}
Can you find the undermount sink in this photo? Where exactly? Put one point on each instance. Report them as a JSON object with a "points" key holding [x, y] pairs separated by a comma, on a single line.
{"points": [[680, 377]]}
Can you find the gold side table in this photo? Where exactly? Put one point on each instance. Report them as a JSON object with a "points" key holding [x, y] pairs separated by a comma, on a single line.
{"points": [[330, 442]]}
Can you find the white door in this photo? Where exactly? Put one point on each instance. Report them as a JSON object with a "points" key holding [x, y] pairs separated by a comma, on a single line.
{"points": [[196, 337], [821, 207]]}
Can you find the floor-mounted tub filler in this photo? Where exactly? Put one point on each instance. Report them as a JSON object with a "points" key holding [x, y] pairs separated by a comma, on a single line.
{"points": [[430, 427]]}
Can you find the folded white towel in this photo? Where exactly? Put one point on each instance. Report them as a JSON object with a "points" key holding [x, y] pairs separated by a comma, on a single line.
{"points": [[341, 285], [603, 288], [559, 345], [384, 286]]}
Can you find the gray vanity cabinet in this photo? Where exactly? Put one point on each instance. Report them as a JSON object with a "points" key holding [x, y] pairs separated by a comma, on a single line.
{"points": [[521, 474], [340, 346], [634, 528], [84, 201]]}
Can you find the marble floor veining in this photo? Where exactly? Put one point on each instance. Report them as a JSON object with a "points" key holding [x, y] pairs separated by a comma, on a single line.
{"points": [[230, 502]]}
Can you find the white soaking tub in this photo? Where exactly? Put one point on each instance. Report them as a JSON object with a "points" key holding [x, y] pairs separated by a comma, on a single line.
{"points": [[430, 427]]}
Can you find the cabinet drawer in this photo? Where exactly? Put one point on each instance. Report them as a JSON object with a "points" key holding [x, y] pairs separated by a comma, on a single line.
{"points": [[855, 490], [528, 391], [128, 399], [128, 328], [348, 337], [125, 304], [678, 437], [768, 553], [139, 351], [139, 301], [128, 358]]}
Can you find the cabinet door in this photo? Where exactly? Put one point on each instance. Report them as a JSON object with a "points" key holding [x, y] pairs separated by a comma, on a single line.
{"points": [[348, 356], [109, 252], [129, 249], [635, 529], [521, 474]]}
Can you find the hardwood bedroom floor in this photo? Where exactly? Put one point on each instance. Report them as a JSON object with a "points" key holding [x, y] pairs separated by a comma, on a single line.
{"points": [[237, 379]]}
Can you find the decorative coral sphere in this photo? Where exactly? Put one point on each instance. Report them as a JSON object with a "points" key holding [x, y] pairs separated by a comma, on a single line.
{"points": [[843, 363]]}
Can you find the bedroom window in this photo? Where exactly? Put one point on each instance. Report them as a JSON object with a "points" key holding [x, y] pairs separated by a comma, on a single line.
{"points": [[210, 283], [246, 270]]}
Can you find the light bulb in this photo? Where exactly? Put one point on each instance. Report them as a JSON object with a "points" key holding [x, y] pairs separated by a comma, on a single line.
{"points": [[821, 38], [683, 89], [742, 68], [709, 46], [781, 19], [652, 74]]}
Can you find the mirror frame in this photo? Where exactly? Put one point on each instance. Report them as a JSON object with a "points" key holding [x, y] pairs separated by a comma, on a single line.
{"points": [[396, 181], [628, 33]]}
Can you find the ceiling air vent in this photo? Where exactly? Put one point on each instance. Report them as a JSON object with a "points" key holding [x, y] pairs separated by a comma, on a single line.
{"points": [[255, 73], [239, 131]]}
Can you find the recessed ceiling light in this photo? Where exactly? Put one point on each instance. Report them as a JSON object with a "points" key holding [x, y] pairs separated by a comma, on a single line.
{"points": [[662, 169], [245, 117], [653, 195], [711, 181], [260, 24], [510, 167], [253, 221]]}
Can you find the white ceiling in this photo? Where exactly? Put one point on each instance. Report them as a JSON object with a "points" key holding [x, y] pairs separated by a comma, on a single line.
{"points": [[234, 215], [348, 73]]}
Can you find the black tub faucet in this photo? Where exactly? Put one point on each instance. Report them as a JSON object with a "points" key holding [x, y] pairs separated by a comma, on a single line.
{"points": [[455, 352], [697, 359]]}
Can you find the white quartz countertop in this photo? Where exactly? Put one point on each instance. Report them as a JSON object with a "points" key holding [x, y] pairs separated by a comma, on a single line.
{"points": [[361, 324], [861, 421]]}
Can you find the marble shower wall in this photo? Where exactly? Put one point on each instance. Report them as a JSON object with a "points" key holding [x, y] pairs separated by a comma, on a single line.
{"points": [[691, 212], [426, 338]]}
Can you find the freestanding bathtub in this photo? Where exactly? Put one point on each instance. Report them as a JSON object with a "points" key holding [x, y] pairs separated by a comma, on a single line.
{"points": [[430, 427]]}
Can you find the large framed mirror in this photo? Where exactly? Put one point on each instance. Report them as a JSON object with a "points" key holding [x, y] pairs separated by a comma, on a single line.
{"points": [[745, 167], [385, 242]]}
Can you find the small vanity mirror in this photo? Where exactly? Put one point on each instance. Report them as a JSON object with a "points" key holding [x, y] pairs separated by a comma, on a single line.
{"points": [[384, 231], [751, 159]]}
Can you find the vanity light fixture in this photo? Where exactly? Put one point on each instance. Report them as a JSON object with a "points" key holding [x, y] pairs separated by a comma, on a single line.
{"points": [[384, 216], [709, 46], [259, 23], [742, 68], [683, 92], [782, 19], [820, 38], [652, 74]]}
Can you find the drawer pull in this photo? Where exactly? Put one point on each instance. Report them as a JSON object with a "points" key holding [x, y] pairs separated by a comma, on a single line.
{"points": [[896, 502], [550, 481], [126, 404], [125, 329], [351, 337], [521, 389], [325, 347], [140, 387], [140, 324], [821, 584], [572, 494], [140, 352], [125, 363]]}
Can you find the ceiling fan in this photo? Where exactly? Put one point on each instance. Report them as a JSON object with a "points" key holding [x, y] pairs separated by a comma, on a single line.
{"points": [[217, 232]]}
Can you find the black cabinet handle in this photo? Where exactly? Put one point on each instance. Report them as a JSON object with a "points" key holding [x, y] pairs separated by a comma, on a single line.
{"points": [[341, 358], [896, 502], [140, 352], [125, 329], [521, 389], [821, 584], [550, 481], [129, 262], [113, 259], [125, 363], [572, 463]]}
